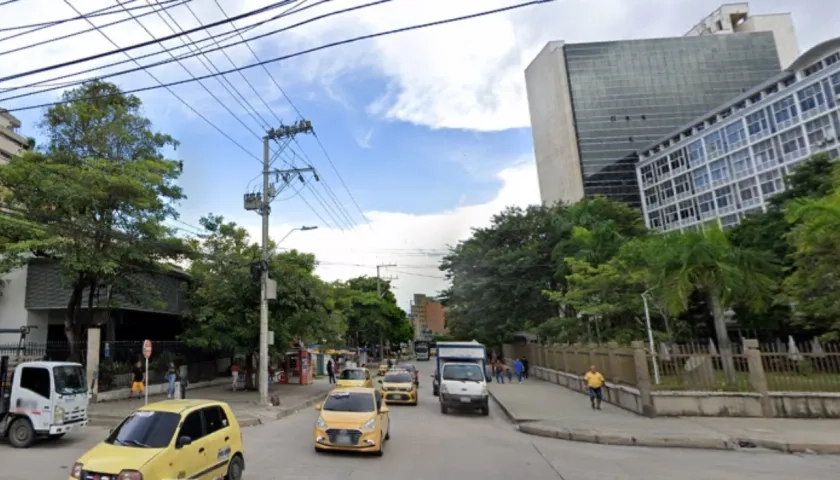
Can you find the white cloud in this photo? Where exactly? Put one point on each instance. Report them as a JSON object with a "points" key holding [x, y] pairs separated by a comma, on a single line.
{"points": [[412, 242], [363, 138]]}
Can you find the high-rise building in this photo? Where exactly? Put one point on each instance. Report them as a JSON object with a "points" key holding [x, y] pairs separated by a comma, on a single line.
{"points": [[11, 142], [736, 18], [726, 163], [593, 106], [429, 316]]}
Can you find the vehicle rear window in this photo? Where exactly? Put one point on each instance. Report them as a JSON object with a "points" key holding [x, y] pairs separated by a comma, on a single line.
{"points": [[463, 372], [352, 375], [397, 378], [406, 366], [349, 402], [145, 429]]}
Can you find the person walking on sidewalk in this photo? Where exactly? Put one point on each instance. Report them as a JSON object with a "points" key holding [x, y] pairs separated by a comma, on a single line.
{"points": [[234, 375], [500, 372], [331, 371], [517, 366], [137, 380], [170, 376], [594, 380], [525, 366]]}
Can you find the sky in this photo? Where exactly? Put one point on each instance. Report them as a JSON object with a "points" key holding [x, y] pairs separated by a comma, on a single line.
{"points": [[420, 136]]}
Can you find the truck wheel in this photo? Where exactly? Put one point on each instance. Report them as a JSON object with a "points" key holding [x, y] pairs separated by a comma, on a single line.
{"points": [[485, 411], [443, 409], [435, 391], [21, 433]]}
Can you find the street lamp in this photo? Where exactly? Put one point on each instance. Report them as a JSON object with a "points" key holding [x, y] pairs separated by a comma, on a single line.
{"points": [[304, 228], [650, 338]]}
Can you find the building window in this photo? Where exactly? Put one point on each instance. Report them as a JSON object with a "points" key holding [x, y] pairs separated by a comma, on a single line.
{"points": [[647, 175], [831, 60], [687, 211], [682, 185], [784, 112], [819, 131], [740, 162], [764, 153], [720, 170], [706, 203], [701, 178], [792, 143], [757, 124], [695, 153], [735, 135], [813, 69], [835, 84], [670, 216], [770, 182], [662, 168], [651, 198], [677, 159], [655, 219], [724, 197], [729, 221], [811, 97], [748, 190], [714, 144], [666, 192]]}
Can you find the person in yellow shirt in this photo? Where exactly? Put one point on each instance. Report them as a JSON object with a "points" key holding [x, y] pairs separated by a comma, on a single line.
{"points": [[594, 380]]}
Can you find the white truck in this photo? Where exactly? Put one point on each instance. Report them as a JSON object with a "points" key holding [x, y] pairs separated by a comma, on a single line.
{"points": [[40, 399], [460, 380]]}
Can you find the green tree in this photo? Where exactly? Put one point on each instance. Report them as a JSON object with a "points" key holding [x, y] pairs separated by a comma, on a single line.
{"points": [[372, 313], [95, 197], [707, 263]]}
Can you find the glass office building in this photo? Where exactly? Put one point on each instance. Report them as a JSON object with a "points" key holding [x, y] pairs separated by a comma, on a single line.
{"points": [[725, 164], [627, 94]]}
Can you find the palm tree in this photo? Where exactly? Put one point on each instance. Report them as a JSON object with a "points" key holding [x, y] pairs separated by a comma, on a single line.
{"points": [[707, 263]]}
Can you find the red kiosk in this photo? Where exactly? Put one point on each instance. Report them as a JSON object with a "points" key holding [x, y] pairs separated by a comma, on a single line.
{"points": [[298, 367]]}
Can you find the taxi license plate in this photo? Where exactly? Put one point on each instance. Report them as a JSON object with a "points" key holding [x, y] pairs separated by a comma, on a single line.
{"points": [[343, 439], [465, 400]]}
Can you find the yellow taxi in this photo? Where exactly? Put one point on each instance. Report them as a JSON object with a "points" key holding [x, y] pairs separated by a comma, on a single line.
{"points": [[383, 369], [354, 377], [398, 386], [169, 439], [352, 419]]}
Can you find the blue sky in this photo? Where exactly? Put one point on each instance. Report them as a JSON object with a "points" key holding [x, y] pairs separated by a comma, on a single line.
{"points": [[429, 130]]}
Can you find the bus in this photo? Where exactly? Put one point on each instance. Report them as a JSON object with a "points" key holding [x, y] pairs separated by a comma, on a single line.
{"points": [[421, 350]]}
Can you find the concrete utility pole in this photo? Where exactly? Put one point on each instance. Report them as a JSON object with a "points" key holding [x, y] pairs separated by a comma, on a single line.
{"points": [[379, 294], [263, 206]]}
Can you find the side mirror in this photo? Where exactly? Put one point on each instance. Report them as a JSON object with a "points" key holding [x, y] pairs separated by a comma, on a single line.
{"points": [[183, 441], [384, 409], [318, 407]]}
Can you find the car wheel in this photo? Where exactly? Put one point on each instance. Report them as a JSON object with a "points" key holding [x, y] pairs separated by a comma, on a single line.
{"points": [[21, 433], [235, 468], [485, 411], [388, 434], [443, 409]]}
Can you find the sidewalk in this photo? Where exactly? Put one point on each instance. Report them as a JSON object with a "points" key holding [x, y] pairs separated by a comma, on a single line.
{"points": [[245, 404], [549, 410]]}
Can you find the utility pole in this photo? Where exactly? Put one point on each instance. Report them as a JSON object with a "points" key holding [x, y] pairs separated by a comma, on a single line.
{"points": [[379, 295], [262, 204]]}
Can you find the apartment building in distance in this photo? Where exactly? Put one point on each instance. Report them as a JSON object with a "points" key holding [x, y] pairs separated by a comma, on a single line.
{"points": [[11, 142], [726, 163], [594, 106], [428, 315]]}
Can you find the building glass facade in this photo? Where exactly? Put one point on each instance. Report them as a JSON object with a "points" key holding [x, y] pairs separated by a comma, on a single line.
{"points": [[627, 94], [725, 164]]}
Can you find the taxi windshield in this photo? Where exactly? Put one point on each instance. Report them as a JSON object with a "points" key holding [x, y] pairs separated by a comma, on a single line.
{"points": [[145, 429], [397, 378], [69, 380], [352, 375], [349, 402]]}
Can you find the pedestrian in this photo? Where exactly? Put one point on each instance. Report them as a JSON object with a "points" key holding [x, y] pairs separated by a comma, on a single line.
{"points": [[525, 366], [595, 381], [517, 365], [234, 375], [390, 364], [137, 380], [500, 372], [509, 373], [170, 376], [331, 371]]}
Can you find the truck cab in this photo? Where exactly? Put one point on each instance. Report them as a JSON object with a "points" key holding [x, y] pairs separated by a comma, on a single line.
{"points": [[41, 399], [460, 380]]}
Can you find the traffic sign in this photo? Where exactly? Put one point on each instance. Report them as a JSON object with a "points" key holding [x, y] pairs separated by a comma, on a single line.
{"points": [[147, 349]]}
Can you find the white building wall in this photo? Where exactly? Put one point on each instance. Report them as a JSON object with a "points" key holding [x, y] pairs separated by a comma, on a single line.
{"points": [[13, 313], [553, 128]]}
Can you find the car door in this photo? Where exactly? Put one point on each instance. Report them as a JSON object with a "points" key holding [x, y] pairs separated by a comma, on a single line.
{"points": [[384, 418], [195, 454], [218, 437]]}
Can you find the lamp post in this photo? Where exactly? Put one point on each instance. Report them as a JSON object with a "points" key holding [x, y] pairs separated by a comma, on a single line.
{"points": [[650, 339], [304, 228]]}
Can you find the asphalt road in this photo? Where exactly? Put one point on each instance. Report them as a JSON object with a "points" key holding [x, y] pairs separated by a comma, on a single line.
{"points": [[427, 445]]}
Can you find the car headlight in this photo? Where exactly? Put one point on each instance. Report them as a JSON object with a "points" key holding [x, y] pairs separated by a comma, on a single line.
{"points": [[369, 425], [130, 475], [76, 472], [58, 416], [443, 389], [484, 390], [321, 423]]}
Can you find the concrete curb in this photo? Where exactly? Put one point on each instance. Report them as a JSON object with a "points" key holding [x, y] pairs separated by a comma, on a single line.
{"points": [[312, 400], [532, 427]]}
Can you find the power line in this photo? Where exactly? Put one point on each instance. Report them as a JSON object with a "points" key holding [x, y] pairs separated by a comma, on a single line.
{"points": [[142, 44], [313, 50]]}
